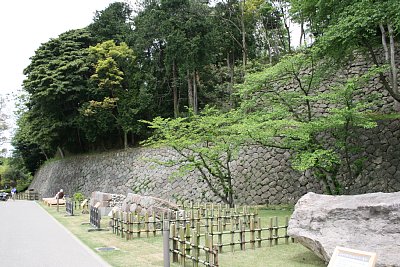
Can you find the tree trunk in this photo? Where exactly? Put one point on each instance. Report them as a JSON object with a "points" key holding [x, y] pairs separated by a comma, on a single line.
{"points": [[384, 44], [61, 152], [243, 29], [45, 154], [190, 90], [230, 61], [125, 139], [393, 65], [175, 89], [132, 139], [195, 98], [287, 32], [302, 33], [382, 77]]}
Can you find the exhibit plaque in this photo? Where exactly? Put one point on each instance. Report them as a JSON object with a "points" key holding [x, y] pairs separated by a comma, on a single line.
{"points": [[346, 257]]}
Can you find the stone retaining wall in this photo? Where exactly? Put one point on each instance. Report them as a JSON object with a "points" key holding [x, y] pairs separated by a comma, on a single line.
{"points": [[260, 175]]}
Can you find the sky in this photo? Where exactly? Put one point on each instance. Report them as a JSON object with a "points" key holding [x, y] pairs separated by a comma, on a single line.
{"points": [[25, 24]]}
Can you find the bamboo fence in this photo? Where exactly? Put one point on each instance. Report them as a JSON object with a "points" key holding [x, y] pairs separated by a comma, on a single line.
{"points": [[128, 224]]}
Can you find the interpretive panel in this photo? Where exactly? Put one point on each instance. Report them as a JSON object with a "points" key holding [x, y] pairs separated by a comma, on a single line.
{"points": [[346, 257]]}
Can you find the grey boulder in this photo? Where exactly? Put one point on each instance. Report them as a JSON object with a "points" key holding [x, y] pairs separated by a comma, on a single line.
{"points": [[368, 222]]}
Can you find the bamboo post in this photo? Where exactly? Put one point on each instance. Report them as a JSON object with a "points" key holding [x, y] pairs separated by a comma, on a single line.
{"points": [[178, 225], [224, 220], [206, 217], [271, 225], [174, 243], [122, 224], [220, 235], [113, 221], [138, 225], [195, 255], [128, 226], [132, 218], [276, 230], [210, 248], [198, 228], [232, 237], [154, 223], [197, 235], [182, 246], [242, 235], [252, 241], [146, 223], [117, 223], [166, 243], [207, 242], [286, 233], [244, 215], [215, 256], [259, 232], [187, 239]]}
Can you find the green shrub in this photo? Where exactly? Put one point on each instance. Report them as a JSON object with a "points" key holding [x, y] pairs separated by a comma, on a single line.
{"points": [[78, 196]]}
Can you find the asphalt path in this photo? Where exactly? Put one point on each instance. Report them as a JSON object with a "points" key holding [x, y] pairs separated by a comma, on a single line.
{"points": [[30, 237]]}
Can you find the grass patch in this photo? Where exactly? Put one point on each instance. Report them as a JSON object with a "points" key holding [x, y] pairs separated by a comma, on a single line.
{"points": [[147, 252]]}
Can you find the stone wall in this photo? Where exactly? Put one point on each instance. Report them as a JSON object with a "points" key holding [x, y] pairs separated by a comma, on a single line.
{"points": [[260, 175]]}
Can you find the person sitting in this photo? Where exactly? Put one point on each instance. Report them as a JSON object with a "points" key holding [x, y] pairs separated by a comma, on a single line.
{"points": [[60, 194]]}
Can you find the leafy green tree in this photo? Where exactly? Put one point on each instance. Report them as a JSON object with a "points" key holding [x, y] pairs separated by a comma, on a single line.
{"points": [[3, 122], [276, 115], [57, 81], [179, 47], [205, 143], [13, 173], [113, 23], [118, 89], [344, 27]]}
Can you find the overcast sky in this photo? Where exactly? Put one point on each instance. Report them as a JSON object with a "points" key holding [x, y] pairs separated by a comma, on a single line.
{"points": [[25, 24]]}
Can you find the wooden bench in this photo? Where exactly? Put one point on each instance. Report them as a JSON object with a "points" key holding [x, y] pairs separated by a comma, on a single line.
{"points": [[53, 202]]}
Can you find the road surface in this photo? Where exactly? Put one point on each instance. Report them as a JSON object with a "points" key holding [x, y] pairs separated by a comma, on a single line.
{"points": [[30, 237]]}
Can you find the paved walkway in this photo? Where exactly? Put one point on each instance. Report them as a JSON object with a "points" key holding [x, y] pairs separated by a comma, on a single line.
{"points": [[30, 237]]}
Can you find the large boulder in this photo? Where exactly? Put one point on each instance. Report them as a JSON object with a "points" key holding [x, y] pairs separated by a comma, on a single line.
{"points": [[369, 222], [147, 205]]}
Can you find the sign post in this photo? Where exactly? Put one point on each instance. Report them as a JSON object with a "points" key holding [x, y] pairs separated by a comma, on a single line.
{"points": [[346, 257]]}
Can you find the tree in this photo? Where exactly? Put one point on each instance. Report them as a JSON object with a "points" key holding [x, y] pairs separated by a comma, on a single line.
{"points": [[342, 28], [113, 23], [205, 144], [56, 83], [280, 107], [118, 95], [179, 48], [3, 122]]}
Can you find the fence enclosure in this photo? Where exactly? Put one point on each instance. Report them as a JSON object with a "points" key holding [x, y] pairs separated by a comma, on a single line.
{"points": [[200, 233], [27, 195]]}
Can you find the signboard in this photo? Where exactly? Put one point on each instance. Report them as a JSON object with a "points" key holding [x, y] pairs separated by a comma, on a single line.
{"points": [[346, 257]]}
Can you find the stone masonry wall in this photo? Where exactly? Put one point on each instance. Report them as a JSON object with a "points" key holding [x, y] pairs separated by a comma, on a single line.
{"points": [[261, 175]]}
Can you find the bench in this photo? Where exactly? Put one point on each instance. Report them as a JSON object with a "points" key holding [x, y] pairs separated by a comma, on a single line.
{"points": [[53, 201]]}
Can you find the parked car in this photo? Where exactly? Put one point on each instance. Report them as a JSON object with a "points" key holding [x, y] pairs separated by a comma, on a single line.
{"points": [[3, 196]]}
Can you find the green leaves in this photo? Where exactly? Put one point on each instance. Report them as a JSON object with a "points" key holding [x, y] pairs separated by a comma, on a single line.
{"points": [[206, 143]]}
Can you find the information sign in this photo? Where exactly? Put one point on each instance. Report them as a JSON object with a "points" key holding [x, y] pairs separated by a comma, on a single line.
{"points": [[346, 257]]}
